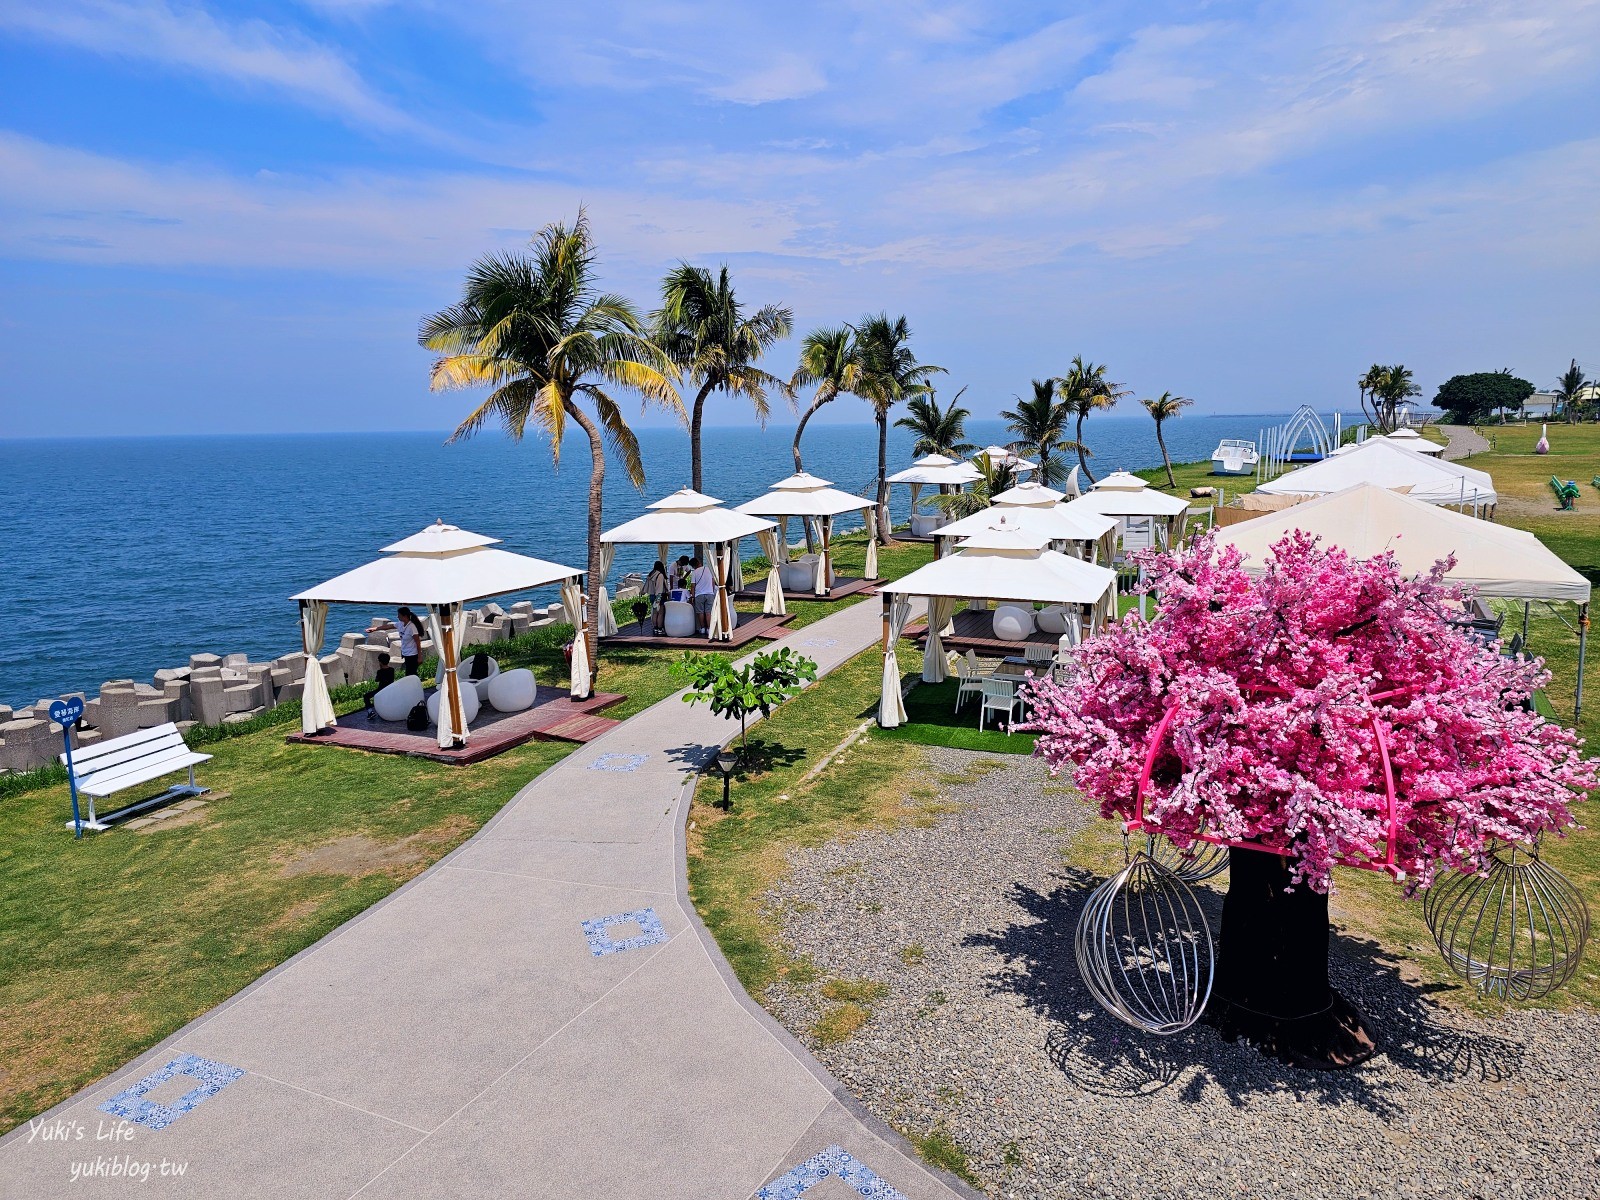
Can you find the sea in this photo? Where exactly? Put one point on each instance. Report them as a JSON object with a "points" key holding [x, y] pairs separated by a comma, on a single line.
{"points": [[124, 555]]}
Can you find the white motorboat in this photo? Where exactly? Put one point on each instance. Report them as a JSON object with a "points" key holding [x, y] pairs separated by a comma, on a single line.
{"points": [[1234, 456]]}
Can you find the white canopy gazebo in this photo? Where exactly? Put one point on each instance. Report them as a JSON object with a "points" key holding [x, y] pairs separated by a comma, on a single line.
{"points": [[1367, 520], [439, 569], [1388, 464], [689, 518], [1058, 523], [1005, 456], [934, 470], [817, 503], [1004, 562], [1412, 440], [1125, 496]]}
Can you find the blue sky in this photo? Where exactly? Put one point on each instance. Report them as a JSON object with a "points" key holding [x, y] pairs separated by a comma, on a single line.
{"points": [[219, 218]]}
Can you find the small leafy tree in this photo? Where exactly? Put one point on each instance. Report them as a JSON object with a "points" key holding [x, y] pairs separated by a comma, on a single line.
{"points": [[1472, 399], [764, 683]]}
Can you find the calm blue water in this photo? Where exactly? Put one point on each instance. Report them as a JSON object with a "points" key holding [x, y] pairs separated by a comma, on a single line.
{"points": [[122, 556]]}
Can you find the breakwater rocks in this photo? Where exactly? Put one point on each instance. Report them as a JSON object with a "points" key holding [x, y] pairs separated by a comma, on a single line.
{"points": [[226, 689]]}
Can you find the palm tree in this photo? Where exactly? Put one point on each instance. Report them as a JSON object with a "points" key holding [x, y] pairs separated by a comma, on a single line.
{"points": [[1569, 390], [1041, 427], [1388, 388], [536, 328], [996, 476], [1161, 408], [1086, 390], [702, 327], [889, 373], [829, 360], [938, 431]]}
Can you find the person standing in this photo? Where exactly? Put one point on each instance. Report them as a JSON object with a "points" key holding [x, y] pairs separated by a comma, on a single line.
{"points": [[656, 589], [704, 586], [411, 636]]}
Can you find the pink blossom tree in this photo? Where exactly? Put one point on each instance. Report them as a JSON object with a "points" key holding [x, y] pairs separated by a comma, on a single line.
{"points": [[1278, 687]]}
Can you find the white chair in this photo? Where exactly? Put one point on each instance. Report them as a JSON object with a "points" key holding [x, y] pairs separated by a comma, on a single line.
{"points": [[394, 702], [1051, 619], [469, 702], [968, 681], [798, 576], [1012, 624], [923, 524], [999, 695], [679, 620], [492, 669], [1038, 654], [512, 691]]}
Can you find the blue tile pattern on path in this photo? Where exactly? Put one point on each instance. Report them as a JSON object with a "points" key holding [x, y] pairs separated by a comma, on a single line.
{"points": [[131, 1104], [600, 941], [820, 643], [833, 1162], [618, 762]]}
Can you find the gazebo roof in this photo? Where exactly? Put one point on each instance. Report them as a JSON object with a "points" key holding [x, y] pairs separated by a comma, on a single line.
{"points": [[1030, 493], [1001, 534], [1003, 454], [684, 518], [937, 469], [812, 497], [801, 481], [1128, 502], [1121, 481], [1045, 576], [1367, 520], [1056, 522], [440, 565]]}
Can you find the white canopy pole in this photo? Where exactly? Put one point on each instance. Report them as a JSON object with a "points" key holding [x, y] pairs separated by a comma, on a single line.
{"points": [[871, 568], [442, 622], [825, 564], [891, 705], [722, 618], [772, 547], [572, 601], [316, 708]]}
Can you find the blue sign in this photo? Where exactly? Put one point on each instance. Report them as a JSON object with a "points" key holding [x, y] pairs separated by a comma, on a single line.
{"points": [[67, 712]]}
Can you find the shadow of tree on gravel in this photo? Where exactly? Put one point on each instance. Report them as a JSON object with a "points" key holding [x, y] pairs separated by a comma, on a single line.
{"points": [[1105, 1057]]}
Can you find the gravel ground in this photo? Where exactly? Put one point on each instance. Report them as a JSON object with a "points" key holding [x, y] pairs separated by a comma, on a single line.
{"points": [[985, 1031]]}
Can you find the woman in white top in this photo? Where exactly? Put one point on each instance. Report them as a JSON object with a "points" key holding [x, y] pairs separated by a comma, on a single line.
{"points": [[410, 640]]}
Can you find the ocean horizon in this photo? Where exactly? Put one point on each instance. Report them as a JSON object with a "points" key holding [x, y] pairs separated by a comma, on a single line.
{"points": [[131, 553]]}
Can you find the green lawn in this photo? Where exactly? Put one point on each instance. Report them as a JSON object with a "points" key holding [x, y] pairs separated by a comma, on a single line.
{"points": [[931, 719]]}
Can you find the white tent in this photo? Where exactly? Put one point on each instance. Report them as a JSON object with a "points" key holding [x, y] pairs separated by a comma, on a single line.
{"points": [[1412, 440], [936, 470], [1029, 494], [1055, 522], [1390, 465], [440, 568], [1001, 455], [689, 518], [1124, 496], [1366, 520], [815, 502], [1002, 562]]}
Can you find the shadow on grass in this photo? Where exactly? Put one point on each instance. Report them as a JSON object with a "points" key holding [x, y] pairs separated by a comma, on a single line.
{"points": [[1103, 1056], [932, 720]]}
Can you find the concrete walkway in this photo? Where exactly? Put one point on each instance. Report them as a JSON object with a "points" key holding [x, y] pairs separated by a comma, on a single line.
{"points": [[1465, 441], [540, 1014]]}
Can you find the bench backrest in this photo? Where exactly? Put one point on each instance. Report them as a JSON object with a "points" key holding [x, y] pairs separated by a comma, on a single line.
{"points": [[139, 754]]}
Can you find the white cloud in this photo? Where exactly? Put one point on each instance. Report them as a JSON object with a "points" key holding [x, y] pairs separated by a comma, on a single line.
{"points": [[250, 53], [787, 77]]}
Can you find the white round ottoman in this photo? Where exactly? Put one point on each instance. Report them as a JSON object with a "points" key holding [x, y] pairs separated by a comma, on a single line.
{"points": [[469, 702], [1052, 619], [1012, 624], [512, 691], [398, 699], [679, 620]]}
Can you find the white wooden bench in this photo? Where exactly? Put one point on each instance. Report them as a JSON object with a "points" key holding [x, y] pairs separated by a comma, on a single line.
{"points": [[106, 768]]}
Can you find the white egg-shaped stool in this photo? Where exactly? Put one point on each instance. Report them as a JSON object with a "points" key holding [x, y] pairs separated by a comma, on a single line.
{"points": [[1052, 619], [680, 618], [512, 691], [469, 702], [1012, 624], [394, 702]]}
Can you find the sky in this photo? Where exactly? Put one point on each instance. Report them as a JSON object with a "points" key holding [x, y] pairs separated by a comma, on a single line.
{"points": [[229, 218]]}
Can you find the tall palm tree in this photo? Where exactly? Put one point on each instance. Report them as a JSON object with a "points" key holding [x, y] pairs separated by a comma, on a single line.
{"points": [[830, 361], [1086, 390], [938, 430], [535, 326], [702, 327], [1161, 408], [1569, 390], [890, 374], [1388, 388], [995, 476], [1040, 425]]}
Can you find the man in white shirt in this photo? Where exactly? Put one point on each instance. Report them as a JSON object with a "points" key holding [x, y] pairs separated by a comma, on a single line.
{"points": [[704, 585]]}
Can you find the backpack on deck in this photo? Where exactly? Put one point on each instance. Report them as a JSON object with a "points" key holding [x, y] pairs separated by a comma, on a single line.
{"points": [[417, 718]]}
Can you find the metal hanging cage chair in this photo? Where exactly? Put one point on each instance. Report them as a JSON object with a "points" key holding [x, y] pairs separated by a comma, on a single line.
{"points": [[1514, 930], [1195, 863]]}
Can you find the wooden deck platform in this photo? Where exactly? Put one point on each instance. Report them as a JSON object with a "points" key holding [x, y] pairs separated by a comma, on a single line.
{"points": [[751, 626], [843, 585], [975, 631], [554, 716]]}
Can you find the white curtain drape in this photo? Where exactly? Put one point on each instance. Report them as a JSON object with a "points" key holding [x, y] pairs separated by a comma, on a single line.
{"points": [[608, 619], [871, 569], [891, 705], [722, 618], [772, 546], [783, 532], [572, 601], [662, 550], [316, 708], [444, 627], [738, 568], [916, 490], [825, 559], [934, 667], [977, 604]]}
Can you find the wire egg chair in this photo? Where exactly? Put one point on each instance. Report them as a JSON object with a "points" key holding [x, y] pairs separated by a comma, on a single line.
{"points": [[1515, 929], [1144, 948], [1194, 863]]}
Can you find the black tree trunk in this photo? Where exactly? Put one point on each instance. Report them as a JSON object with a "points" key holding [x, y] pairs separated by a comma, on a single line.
{"points": [[1272, 985]]}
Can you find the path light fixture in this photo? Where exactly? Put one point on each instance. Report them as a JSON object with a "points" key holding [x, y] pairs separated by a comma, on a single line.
{"points": [[727, 759]]}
